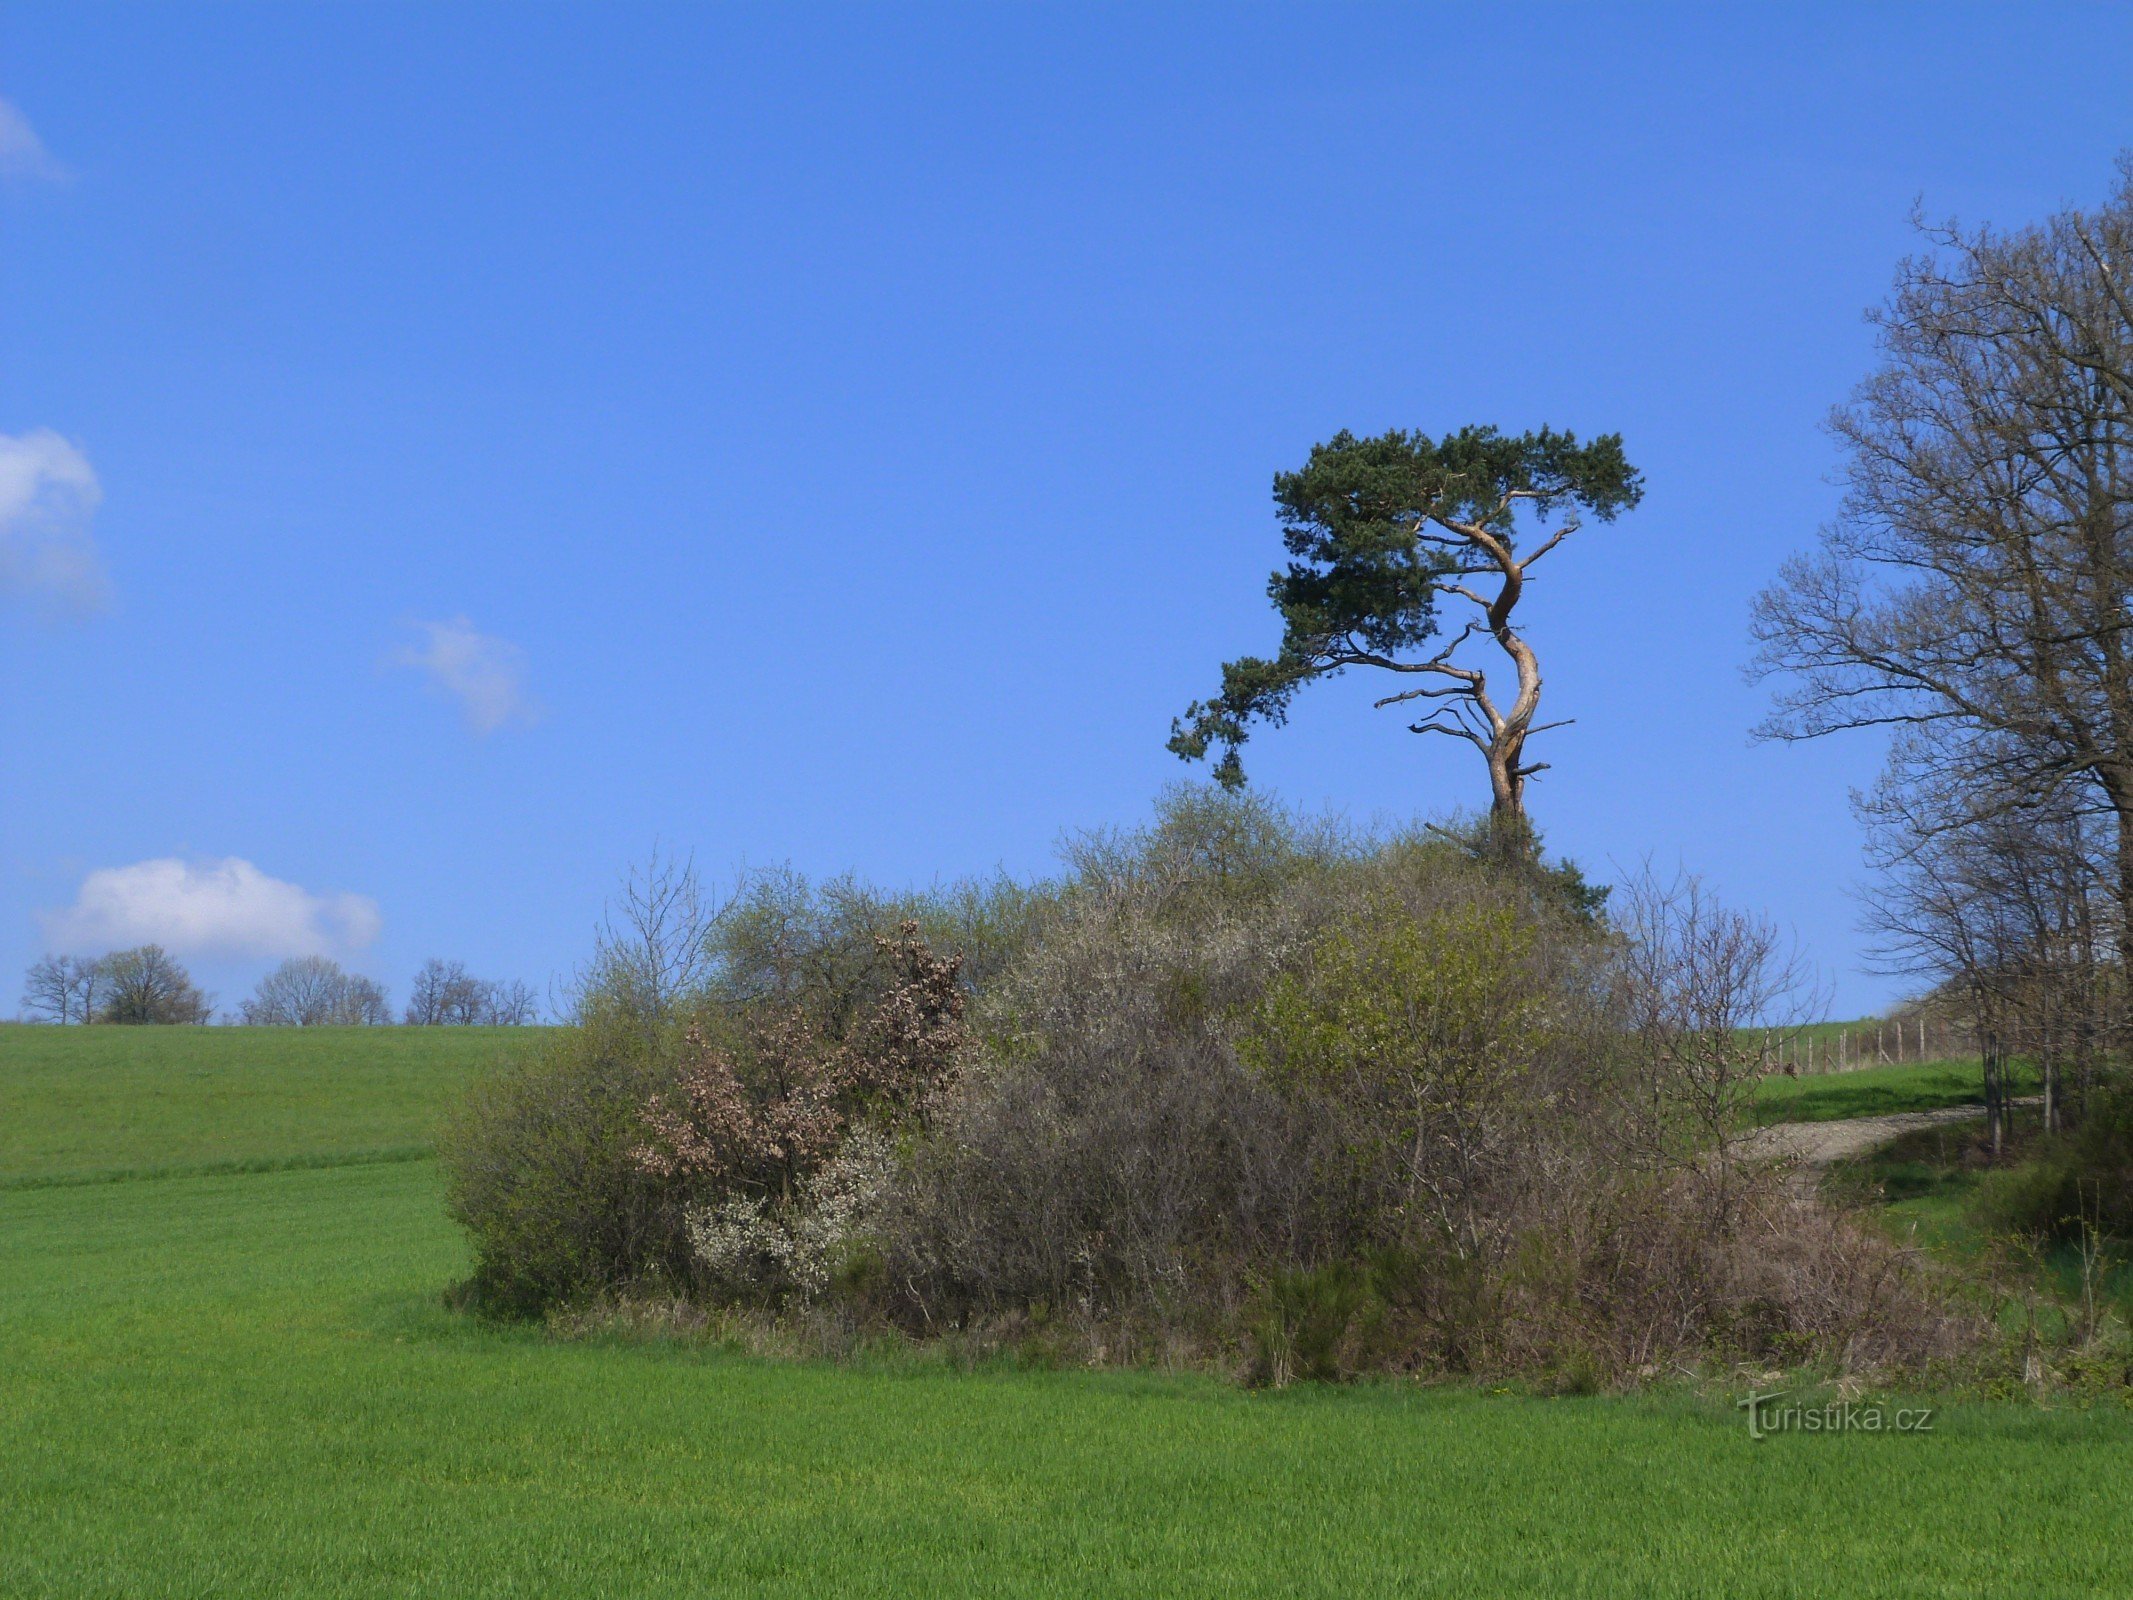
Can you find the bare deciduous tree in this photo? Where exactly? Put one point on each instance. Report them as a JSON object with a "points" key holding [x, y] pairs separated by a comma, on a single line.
{"points": [[653, 946], [63, 989], [144, 985], [1977, 581], [364, 1002], [1704, 992], [446, 994], [2006, 910], [510, 1003], [313, 992]]}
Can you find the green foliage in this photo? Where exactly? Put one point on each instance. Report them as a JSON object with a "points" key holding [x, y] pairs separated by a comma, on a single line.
{"points": [[1420, 1033], [1510, 849], [1227, 1054], [1407, 1010], [2076, 1180], [712, 1056], [1364, 576], [589, 1170], [1584, 899], [542, 1171], [1210, 852], [274, 1342], [2014, 1231], [1303, 1322]]}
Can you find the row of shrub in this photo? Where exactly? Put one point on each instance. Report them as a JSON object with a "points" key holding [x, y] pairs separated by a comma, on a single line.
{"points": [[1238, 1088]]}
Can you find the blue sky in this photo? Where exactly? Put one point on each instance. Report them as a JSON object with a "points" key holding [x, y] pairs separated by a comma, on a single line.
{"points": [[449, 448]]}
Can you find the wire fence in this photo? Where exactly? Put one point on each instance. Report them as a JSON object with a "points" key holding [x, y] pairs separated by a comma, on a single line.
{"points": [[1850, 1046]]}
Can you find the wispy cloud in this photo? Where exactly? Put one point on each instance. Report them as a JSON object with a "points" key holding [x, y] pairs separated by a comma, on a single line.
{"points": [[226, 907], [48, 495], [485, 674], [22, 153]]}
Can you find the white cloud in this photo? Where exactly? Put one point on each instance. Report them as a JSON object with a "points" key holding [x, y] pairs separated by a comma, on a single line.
{"points": [[48, 494], [485, 674], [226, 907], [22, 153]]}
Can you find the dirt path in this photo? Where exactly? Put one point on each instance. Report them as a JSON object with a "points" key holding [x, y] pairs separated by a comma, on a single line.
{"points": [[1819, 1144]]}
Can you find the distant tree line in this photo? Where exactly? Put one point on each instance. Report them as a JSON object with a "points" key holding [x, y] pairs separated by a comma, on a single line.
{"points": [[147, 985]]}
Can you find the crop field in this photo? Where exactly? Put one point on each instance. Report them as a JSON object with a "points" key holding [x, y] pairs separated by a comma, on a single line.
{"points": [[89, 1104], [245, 1382]]}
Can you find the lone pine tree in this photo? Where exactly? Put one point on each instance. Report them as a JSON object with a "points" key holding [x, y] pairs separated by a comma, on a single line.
{"points": [[1381, 532]]}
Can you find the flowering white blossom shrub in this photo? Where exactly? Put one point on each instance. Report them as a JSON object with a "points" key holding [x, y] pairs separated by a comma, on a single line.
{"points": [[755, 1247]]}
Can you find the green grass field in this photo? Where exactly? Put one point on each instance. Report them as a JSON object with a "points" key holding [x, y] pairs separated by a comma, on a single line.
{"points": [[1876, 1091], [246, 1384], [82, 1104]]}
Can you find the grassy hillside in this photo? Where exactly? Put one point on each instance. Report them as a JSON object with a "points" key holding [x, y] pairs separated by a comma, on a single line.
{"points": [[78, 1104], [1877, 1091], [246, 1384]]}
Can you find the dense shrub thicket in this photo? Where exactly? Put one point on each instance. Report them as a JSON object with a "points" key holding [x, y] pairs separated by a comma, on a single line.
{"points": [[2073, 1185], [541, 1168], [1238, 1087]]}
